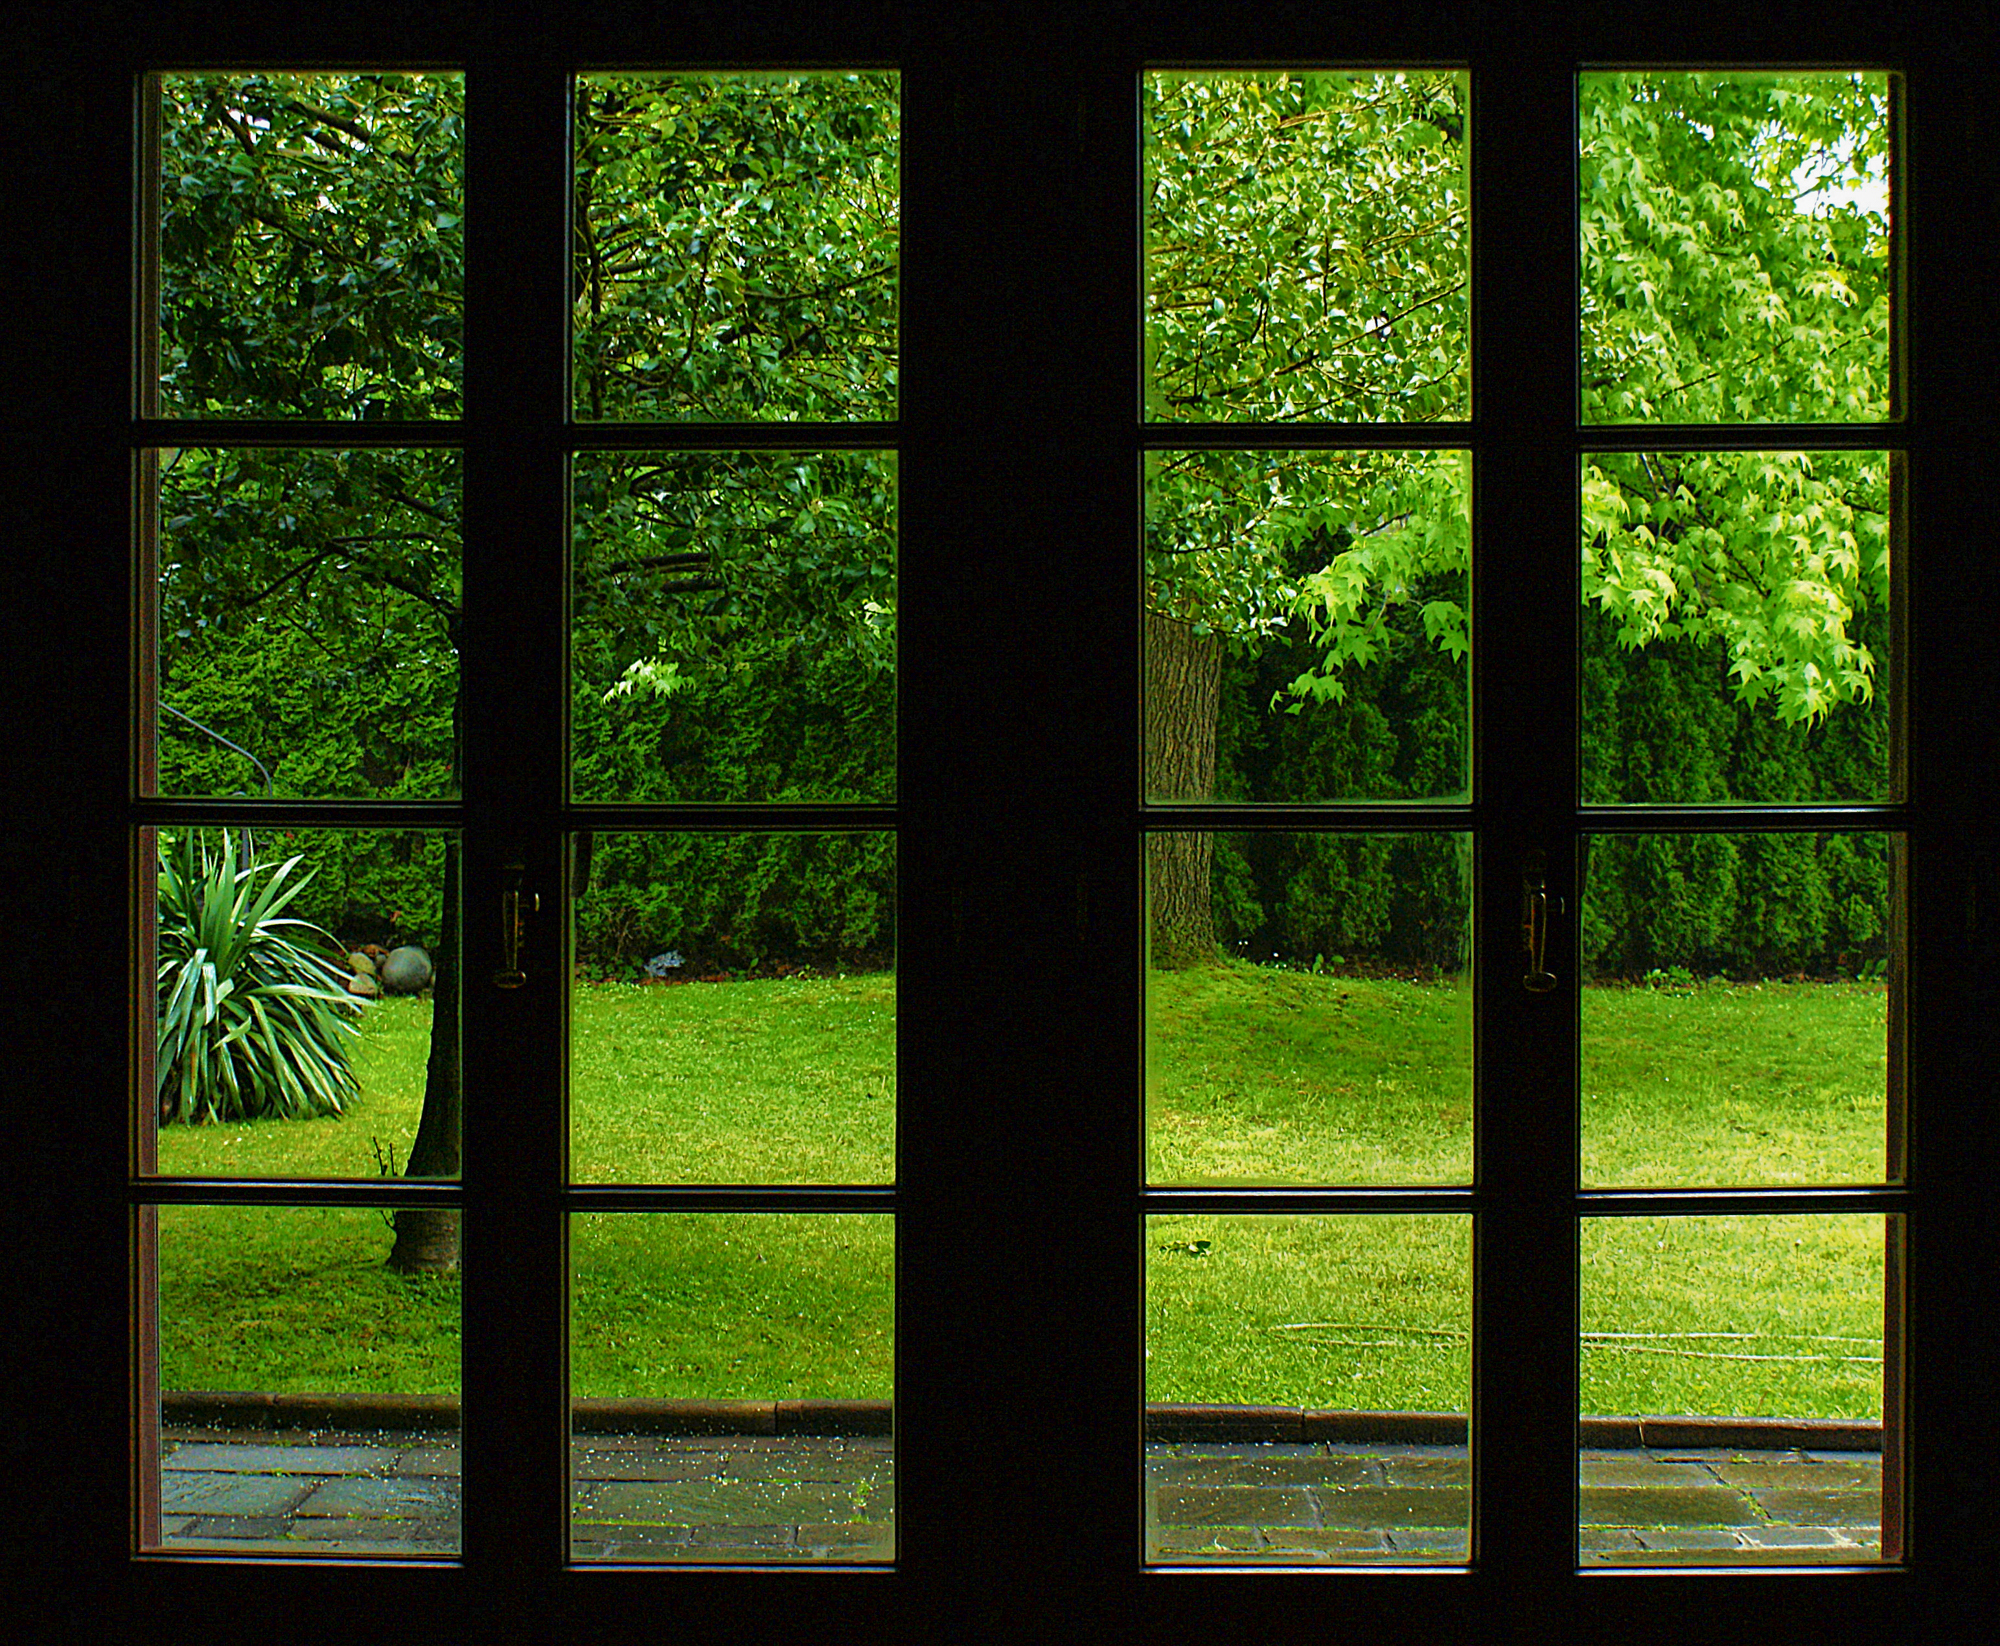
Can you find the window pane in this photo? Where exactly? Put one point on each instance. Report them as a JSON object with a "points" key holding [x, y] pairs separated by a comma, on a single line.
{"points": [[1758, 1341], [734, 626], [309, 1392], [308, 608], [311, 245], [1736, 1012], [1307, 246], [1306, 626], [731, 1378], [737, 246], [733, 1018], [1738, 633], [1306, 1385], [306, 1013], [1334, 1044], [1735, 233]]}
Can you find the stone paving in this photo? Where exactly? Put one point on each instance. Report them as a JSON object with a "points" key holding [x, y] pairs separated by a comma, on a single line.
{"points": [[734, 1498], [1641, 1506]]}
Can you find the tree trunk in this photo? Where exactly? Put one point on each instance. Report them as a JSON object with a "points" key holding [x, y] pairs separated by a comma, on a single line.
{"points": [[427, 1236], [1183, 697]]}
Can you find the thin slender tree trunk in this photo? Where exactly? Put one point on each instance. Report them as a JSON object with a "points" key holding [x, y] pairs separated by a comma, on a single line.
{"points": [[426, 1236], [1183, 697]]}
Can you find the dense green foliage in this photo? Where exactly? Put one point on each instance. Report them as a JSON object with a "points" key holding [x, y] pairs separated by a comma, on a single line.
{"points": [[735, 613], [254, 1018], [1663, 724], [1305, 255], [311, 245], [1735, 248], [736, 250], [737, 902]]}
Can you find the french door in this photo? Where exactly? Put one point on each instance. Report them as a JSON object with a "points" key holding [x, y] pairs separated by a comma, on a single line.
{"points": [[1025, 1226]]}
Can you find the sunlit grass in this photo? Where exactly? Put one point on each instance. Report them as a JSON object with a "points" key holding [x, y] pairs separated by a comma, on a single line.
{"points": [[1361, 1313], [1750, 1316], [1255, 1075], [1756, 1083], [1251, 1072], [296, 1300], [751, 1306], [786, 1080]]}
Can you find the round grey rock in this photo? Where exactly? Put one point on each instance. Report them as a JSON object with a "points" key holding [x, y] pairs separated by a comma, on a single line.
{"points": [[406, 970]]}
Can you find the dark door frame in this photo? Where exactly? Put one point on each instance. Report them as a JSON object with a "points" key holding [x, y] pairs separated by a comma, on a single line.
{"points": [[1018, 1202]]}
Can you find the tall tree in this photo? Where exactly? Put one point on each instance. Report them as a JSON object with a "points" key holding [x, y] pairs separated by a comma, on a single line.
{"points": [[1306, 260], [735, 257]]}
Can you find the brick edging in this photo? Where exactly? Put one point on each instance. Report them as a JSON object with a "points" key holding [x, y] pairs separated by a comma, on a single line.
{"points": [[1164, 1422], [1305, 1424]]}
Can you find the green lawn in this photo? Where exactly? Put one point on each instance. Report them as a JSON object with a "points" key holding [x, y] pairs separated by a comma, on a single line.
{"points": [[1252, 1075]]}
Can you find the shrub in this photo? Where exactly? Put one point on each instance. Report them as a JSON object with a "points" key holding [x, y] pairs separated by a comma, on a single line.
{"points": [[252, 1021]]}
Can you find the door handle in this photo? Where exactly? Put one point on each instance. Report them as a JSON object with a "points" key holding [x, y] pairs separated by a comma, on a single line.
{"points": [[515, 907], [1537, 979]]}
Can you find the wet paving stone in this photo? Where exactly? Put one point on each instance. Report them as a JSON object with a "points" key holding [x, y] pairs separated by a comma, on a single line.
{"points": [[1429, 1545], [234, 1528], [295, 1460], [1427, 1471], [1267, 1471], [723, 1503], [435, 1460], [231, 1494], [1234, 1506], [1668, 1506], [1394, 1508], [1798, 1474], [1805, 1508], [796, 1498], [397, 1497], [1632, 1470]]}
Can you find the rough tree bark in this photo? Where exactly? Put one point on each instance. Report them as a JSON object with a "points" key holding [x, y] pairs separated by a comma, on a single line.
{"points": [[427, 1236], [1183, 697]]}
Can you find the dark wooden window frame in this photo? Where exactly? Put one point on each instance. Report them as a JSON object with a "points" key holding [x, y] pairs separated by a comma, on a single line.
{"points": [[1018, 1201]]}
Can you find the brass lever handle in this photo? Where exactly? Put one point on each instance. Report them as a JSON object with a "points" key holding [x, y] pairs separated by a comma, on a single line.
{"points": [[515, 906], [1538, 979]]}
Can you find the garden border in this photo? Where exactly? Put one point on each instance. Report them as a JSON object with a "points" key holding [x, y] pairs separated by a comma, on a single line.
{"points": [[1165, 1422]]}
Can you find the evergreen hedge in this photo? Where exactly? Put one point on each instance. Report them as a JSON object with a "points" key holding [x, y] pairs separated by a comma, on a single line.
{"points": [[794, 725]]}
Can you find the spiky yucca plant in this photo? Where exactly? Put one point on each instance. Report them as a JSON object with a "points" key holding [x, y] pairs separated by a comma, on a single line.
{"points": [[252, 1023]]}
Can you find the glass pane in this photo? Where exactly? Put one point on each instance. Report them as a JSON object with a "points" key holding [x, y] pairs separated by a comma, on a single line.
{"points": [[1738, 630], [730, 1380], [307, 622], [312, 245], [1306, 1385], [307, 1005], [1333, 1044], [734, 1014], [1736, 1009], [1742, 1359], [1306, 626], [1307, 246], [1736, 238], [734, 626], [737, 246], [309, 1391]]}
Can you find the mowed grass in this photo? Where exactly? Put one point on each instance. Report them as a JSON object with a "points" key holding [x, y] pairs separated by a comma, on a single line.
{"points": [[785, 1080], [1253, 1074], [1356, 1313], [1727, 1083]]}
